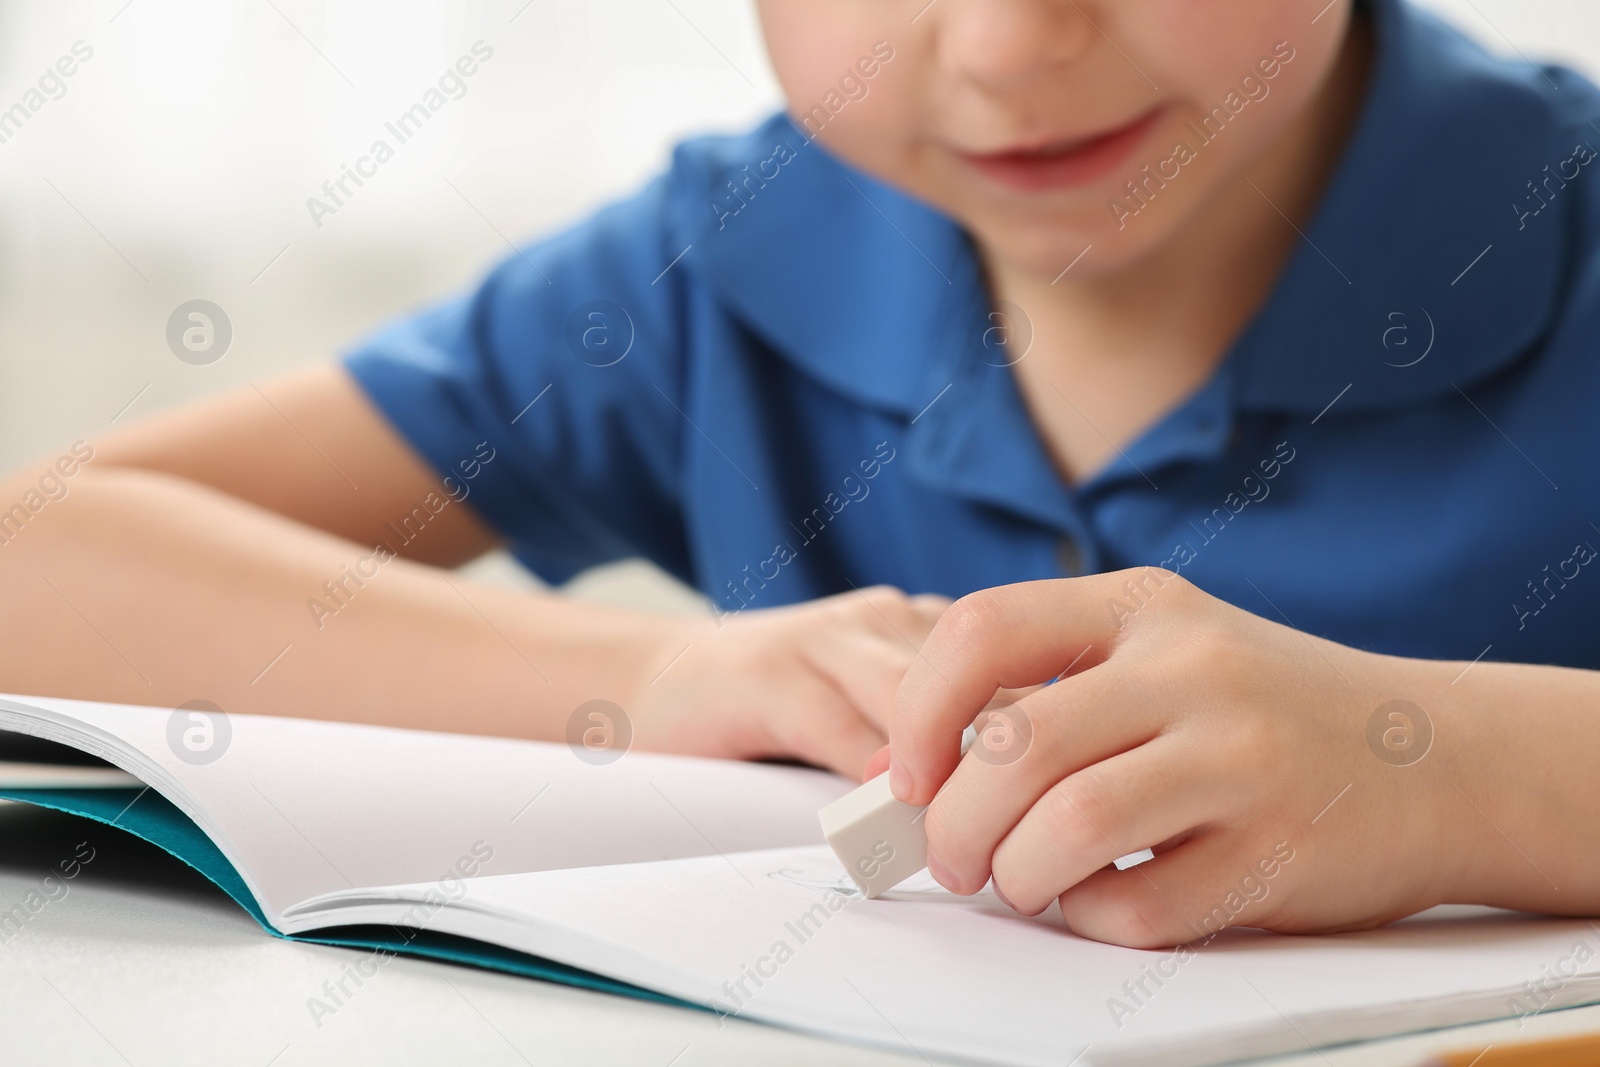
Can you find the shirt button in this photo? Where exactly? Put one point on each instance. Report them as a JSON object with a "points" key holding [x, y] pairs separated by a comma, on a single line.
{"points": [[1069, 557]]}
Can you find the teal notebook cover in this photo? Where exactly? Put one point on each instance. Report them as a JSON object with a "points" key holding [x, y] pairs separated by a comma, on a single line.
{"points": [[148, 815]]}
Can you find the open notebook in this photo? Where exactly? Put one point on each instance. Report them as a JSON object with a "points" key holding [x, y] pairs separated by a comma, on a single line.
{"points": [[706, 883]]}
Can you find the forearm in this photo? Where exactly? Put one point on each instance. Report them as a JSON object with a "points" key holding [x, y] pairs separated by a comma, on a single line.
{"points": [[1519, 773], [149, 589]]}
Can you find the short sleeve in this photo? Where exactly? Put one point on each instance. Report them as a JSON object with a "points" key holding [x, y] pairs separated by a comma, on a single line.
{"points": [[556, 368]]}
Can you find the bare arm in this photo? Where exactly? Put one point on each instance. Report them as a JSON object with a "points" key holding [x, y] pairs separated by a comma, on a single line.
{"points": [[185, 560], [311, 448], [188, 553]]}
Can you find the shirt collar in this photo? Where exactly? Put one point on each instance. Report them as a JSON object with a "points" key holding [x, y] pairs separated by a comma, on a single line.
{"points": [[1415, 247], [878, 297], [1416, 275], [851, 279]]}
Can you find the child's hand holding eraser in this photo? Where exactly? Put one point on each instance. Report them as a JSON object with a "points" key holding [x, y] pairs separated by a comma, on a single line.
{"points": [[880, 840], [1249, 753]]}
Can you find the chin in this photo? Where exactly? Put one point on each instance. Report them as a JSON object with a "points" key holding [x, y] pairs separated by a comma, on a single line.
{"points": [[1045, 247]]}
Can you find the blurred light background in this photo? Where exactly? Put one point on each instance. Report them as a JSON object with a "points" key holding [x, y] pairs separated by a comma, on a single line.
{"points": [[177, 163]]}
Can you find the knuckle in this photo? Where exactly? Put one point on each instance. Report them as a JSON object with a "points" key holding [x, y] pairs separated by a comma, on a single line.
{"points": [[1149, 579], [1135, 921], [1182, 589], [1256, 740], [882, 600], [969, 622], [1170, 593], [1198, 656], [1142, 597], [1217, 661], [1083, 809], [881, 595], [1228, 648], [1019, 883], [1158, 575]]}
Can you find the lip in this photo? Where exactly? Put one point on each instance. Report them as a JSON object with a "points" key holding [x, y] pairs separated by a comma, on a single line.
{"points": [[1064, 163]]}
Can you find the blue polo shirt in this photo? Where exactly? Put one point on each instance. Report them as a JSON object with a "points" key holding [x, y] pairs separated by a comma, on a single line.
{"points": [[780, 379]]}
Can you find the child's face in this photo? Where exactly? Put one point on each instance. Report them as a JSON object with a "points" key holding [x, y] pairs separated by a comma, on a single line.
{"points": [[1025, 120]]}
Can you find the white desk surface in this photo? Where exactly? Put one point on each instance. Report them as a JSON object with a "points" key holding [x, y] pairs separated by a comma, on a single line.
{"points": [[144, 963]]}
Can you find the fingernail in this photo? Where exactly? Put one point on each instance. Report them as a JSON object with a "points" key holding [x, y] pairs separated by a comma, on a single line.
{"points": [[899, 779], [942, 875], [1001, 894]]}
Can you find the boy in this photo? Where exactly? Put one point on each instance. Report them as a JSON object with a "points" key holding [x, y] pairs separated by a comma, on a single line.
{"points": [[1020, 295]]}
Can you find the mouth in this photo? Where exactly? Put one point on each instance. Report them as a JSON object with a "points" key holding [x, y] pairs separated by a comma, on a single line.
{"points": [[1064, 163]]}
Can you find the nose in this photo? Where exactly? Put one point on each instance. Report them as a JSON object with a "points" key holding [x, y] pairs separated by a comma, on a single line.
{"points": [[1007, 44]]}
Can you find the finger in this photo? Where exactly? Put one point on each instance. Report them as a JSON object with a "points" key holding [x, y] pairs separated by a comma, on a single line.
{"points": [[818, 725], [1011, 636], [929, 606], [1130, 802], [1021, 752], [877, 764], [890, 613], [865, 667], [1189, 894]]}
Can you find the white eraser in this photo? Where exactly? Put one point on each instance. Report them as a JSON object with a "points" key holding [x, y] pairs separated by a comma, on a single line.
{"points": [[882, 842], [879, 840]]}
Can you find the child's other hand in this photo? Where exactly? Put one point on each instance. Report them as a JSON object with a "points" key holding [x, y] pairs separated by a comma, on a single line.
{"points": [[812, 681], [1236, 747]]}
